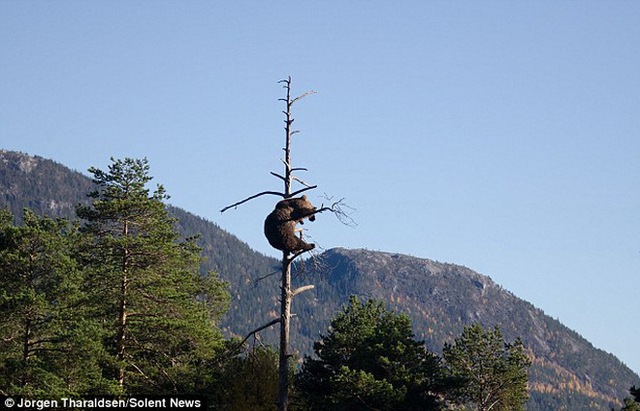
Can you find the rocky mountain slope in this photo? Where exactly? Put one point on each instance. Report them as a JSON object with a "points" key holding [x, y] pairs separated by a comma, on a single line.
{"points": [[568, 373]]}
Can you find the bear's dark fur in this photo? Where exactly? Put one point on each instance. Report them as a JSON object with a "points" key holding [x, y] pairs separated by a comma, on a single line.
{"points": [[280, 225]]}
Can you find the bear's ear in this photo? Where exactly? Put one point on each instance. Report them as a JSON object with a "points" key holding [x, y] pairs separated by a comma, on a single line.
{"points": [[304, 197]]}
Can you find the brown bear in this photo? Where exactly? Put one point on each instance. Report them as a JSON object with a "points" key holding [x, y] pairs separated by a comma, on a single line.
{"points": [[280, 225]]}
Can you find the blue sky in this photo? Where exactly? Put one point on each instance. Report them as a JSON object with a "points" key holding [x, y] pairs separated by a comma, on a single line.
{"points": [[503, 136]]}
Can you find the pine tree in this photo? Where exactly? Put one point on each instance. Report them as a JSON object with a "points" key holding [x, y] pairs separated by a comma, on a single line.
{"points": [[369, 360], [145, 285], [632, 403], [629, 404], [48, 347], [494, 372], [250, 381]]}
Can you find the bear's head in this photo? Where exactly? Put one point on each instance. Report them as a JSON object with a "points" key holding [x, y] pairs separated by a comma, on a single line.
{"points": [[302, 208]]}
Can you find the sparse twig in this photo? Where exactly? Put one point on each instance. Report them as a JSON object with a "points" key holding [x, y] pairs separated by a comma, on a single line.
{"points": [[342, 211]]}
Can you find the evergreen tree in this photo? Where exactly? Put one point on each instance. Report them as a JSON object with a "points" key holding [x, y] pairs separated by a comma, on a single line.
{"points": [[369, 360], [632, 403], [249, 381], [145, 286], [48, 346], [494, 373]]}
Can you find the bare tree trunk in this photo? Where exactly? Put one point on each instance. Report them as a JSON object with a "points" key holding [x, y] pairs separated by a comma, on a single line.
{"points": [[122, 327], [26, 344], [285, 316], [285, 295], [122, 314]]}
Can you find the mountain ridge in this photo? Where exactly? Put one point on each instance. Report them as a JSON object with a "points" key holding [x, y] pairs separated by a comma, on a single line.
{"points": [[440, 298], [557, 350]]}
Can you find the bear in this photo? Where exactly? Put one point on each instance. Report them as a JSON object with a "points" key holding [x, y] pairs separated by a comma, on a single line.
{"points": [[280, 225]]}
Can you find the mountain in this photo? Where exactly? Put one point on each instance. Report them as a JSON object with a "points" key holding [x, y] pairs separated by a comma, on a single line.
{"points": [[42, 185], [568, 373]]}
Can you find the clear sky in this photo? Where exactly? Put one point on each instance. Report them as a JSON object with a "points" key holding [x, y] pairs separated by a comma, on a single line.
{"points": [[500, 135]]}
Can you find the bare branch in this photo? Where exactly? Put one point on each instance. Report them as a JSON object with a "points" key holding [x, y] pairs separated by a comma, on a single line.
{"points": [[146, 377], [275, 193], [267, 325], [302, 289], [341, 210], [313, 265], [299, 169], [314, 212], [278, 175], [319, 263], [264, 277], [289, 260], [302, 190], [301, 182], [300, 97], [258, 339]]}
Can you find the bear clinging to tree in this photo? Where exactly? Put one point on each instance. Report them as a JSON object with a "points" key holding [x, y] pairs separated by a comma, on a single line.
{"points": [[280, 225]]}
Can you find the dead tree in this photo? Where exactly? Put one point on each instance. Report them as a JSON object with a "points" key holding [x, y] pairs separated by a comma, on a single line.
{"points": [[287, 293]]}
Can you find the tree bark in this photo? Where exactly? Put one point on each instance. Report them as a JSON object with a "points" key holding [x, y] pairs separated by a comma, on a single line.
{"points": [[25, 351], [285, 316], [285, 294], [122, 314]]}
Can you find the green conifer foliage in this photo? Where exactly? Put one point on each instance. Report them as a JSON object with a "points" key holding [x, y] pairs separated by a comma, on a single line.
{"points": [[631, 403], [369, 360], [144, 285], [48, 346], [249, 381], [494, 373]]}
